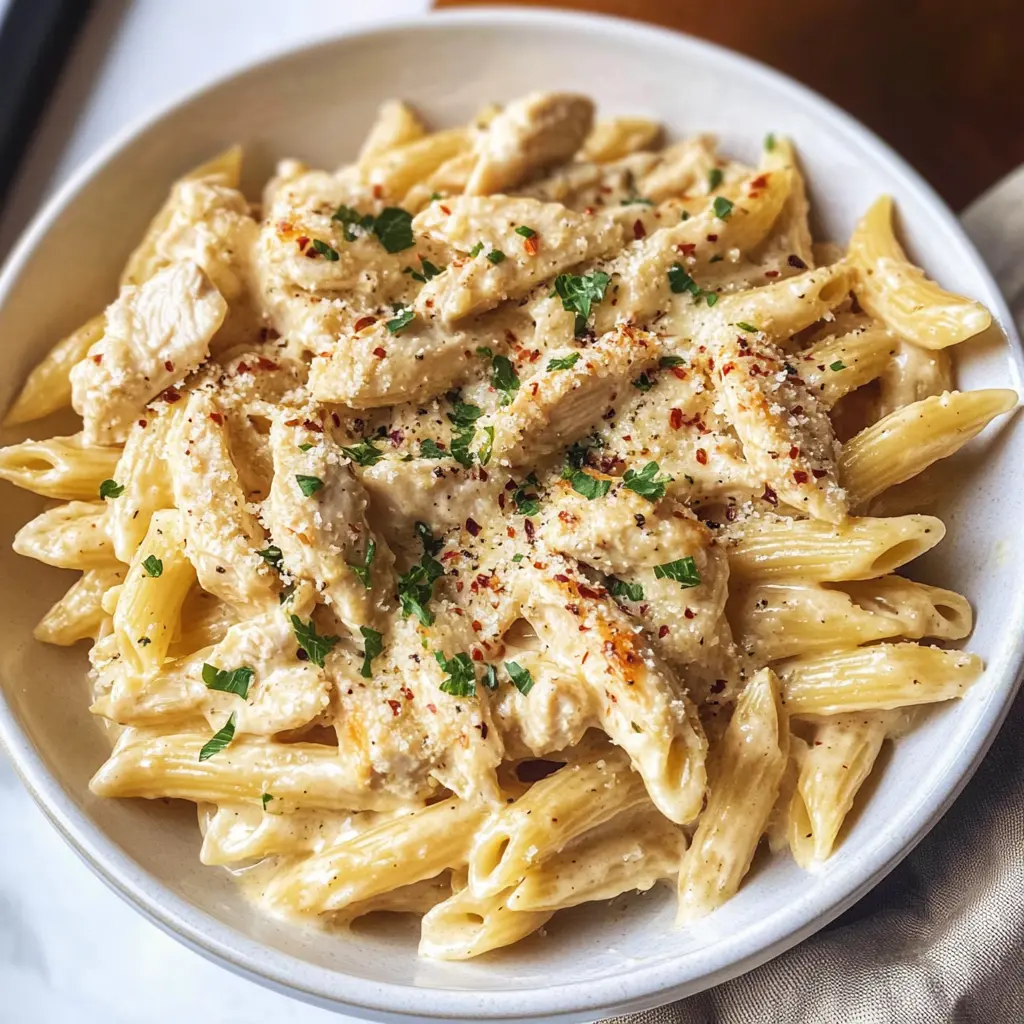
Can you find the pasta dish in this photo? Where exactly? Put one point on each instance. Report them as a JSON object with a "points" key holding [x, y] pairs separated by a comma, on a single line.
{"points": [[508, 520]]}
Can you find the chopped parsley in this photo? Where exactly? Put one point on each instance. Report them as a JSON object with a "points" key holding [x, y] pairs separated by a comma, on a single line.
{"points": [[400, 322], [476, 250], [219, 740], [463, 419], [429, 271], [525, 499], [723, 207], [649, 483], [504, 378], [373, 644], [579, 293], [484, 352], [153, 566], [715, 177], [430, 449], [564, 362], [517, 557], [583, 483], [744, 326], [416, 588], [496, 256], [309, 485], [365, 453], [431, 545], [620, 588], [461, 677], [710, 298], [491, 678], [329, 254], [306, 447], [266, 798], [685, 217], [680, 282], [643, 383], [525, 231], [667, 362], [348, 218], [235, 681], [576, 453], [393, 228], [111, 489], [837, 365], [487, 448], [682, 570], [769, 142], [362, 569], [521, 678], [315, 645]]}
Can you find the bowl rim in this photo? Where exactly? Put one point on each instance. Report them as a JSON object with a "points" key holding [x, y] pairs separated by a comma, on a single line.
{"points": [[643, 986]]}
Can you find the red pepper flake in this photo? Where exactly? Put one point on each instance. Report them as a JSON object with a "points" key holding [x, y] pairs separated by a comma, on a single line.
{"points": [[690, 613], [169, 366], [143, 424], [292, 423], [531, 246], [407, 693], [477, 654], [379, 352], [795, 261], [794, 452], [477, 625], [675, 418], [586, 655], [363, 322], [395, 706], [445, 209], [97, 359], [770, 496], [771, 273], [449, 555], [728, 368], [679, 373], [591, 592], [702, 456], [800, 476], [528, 527], [662, 632], [687, 248], [609, 415], [761, 181], [482, 474], [730, 514], [302, 241], [432, 708], [314, 427], [533, 388], [511, 533], [501, 501], [473, 527], [335, 419], [378, 192], [819, 473], [243, 367], [561, 577], [712, 238], [266, 364], [217, 418], [170, 395], [590, 211], [396, 437], [639, 231]]}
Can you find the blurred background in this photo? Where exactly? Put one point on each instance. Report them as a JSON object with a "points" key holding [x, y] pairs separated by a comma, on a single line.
{"points": [[940, 80]]}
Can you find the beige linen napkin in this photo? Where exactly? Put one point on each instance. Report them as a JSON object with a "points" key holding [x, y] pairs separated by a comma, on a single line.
{"points": [[941, 939]]}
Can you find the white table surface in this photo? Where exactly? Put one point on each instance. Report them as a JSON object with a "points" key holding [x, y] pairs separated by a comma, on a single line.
{"points": [[70, 950]]}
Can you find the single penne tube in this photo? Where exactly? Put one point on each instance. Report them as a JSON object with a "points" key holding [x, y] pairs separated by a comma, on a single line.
{"points": [[414, 898], [632, 851], [71, 536], [777, 829], [79, 614], [59, 467], [550, 815], [396, 125], [875, 678], [466, 925], [398, 169], [617, 137], [894, 290], [838, 760], [791, 232], [920, 610], [746, 774], [835, 366], [811, 550], [909, 440], [152, 763], [48, 387], [407, 848], [148, 612]]}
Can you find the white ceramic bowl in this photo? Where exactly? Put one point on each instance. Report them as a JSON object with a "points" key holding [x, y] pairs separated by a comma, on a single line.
{"points": [[316, 103]]}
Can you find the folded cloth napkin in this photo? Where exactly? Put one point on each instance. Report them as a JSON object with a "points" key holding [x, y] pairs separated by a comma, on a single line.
{"points": [[941, 939]]}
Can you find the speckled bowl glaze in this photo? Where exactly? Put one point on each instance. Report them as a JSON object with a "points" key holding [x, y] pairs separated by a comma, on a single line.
{"points": [[316, 103]]}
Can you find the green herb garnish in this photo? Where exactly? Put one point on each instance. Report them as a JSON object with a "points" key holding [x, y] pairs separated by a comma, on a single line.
{"points": [[564, 362], [525, 231], [525, 498], [682, 570], [769, 141], [648, 483], [219, 740], [837, 365], [364, 453], [744, 326], [372, 646], [153, 566], [111, 489], [578, 295], [315, 645], [667, 362], [393, 227], [504, 378], [400, 322], [461, 681], [309, 485], [715, 177], [491, 678], [487, 448], [362, 569], [583, 483], [521, 678], [643, 383], [620, 588], [496, 256], [723, 207], [235, 681]]}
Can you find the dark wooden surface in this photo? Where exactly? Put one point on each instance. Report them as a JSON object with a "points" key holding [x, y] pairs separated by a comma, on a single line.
{"points": [[941, 80]]}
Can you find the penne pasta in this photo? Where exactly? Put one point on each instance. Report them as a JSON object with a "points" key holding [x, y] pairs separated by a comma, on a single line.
{"points": [[71, 536], [67, 468]]}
